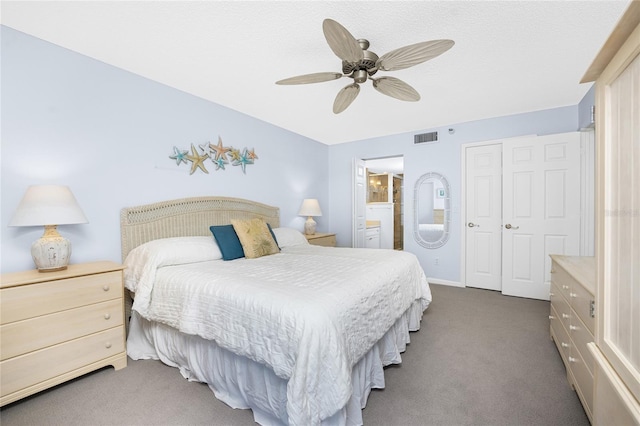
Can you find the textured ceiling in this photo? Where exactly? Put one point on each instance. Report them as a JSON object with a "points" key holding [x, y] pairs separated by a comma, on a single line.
{"points": [[509, 57]]}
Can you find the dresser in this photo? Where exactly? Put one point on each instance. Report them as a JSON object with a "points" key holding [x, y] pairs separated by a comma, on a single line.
{"points": [[320, 239], [572, 320], [55, 326]]}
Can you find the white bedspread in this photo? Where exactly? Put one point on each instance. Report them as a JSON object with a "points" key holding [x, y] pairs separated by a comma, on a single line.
{"points": [[310, 313]]}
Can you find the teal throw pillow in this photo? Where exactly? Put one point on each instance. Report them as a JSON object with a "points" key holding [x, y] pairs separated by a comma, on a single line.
{"points": [[228, 241]]}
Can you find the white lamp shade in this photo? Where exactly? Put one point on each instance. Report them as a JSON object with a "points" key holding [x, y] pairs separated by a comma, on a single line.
{"points": [[48, 205], [310, 207]]}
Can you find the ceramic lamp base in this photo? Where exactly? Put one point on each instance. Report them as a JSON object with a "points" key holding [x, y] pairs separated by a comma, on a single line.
{"points": [[310, 226], [52, 251]]}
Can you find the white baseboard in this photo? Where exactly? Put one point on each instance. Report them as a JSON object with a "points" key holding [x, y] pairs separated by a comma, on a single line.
{"points": [[444, 282]]}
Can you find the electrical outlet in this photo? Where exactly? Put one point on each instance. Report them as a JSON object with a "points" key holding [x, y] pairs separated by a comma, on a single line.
{"points": [[437, 261]]}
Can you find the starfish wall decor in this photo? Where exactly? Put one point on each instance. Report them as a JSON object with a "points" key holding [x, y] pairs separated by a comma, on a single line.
{"points": [[219, 155]]}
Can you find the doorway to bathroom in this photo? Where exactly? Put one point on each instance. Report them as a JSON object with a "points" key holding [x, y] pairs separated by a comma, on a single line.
{"points": [[381, 203]]}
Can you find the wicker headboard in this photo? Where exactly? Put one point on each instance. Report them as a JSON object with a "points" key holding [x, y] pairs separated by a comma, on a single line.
{"points": [[187, 217]]}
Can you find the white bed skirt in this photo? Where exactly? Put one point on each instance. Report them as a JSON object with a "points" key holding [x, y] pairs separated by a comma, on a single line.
{"points": [[242, 383]]}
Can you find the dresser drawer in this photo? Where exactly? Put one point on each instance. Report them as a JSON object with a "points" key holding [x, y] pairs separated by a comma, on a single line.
{"points": [[26, 370], [580, 337], [561, 306], [33, 300], [562, 279], [580, 300], [583, 381], [560, 335], [20, 337]]}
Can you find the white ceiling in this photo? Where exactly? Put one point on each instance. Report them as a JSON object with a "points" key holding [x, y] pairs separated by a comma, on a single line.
{"points": [[509, 57]]}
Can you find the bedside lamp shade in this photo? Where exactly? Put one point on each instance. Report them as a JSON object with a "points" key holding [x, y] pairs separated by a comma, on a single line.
{"points": [[49, 206], [310, 207]]}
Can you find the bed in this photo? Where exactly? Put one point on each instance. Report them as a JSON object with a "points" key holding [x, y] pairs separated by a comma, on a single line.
{"points": [[299, 337]]}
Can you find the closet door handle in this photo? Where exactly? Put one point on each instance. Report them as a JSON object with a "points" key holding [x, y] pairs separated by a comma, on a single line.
{"points": [[508, 226], [471, 225]]}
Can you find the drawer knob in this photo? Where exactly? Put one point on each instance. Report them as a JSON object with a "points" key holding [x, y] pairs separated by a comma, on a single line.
{"points": [[565, 316], [572, 359], [105, 287], [564, 345], [573, 328], [573, 295], [551, 317], [108, 345], [107, 316], [551, 294], [565, 287]]}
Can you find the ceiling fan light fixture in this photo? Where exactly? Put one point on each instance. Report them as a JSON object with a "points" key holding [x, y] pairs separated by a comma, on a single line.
{"points": [[360, 76]]}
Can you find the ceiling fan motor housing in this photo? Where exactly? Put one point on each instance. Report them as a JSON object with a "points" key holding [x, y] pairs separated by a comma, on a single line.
{"points": [[362, 68]]}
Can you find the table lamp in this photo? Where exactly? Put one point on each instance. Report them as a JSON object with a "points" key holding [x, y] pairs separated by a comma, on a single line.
{"points": [[310, 207], [49, 206]]}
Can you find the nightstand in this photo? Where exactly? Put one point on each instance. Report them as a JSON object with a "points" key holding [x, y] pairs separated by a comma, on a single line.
{"points": [[319, 239], [55, 326]]}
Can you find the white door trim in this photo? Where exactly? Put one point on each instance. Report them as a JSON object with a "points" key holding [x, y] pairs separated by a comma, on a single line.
{"points": [[358, 202], [587, 192]]}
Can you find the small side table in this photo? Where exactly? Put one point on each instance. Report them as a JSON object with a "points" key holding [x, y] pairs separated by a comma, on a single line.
{"points": [[55, 326]]}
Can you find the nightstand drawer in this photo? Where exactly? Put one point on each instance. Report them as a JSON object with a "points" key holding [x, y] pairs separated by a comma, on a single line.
{"points": [[33, 300], [326, 240], [26, 370], [20, 337]]}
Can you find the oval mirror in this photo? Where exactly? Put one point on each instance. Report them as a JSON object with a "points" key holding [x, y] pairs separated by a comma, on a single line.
{"points": [[431, 203]]}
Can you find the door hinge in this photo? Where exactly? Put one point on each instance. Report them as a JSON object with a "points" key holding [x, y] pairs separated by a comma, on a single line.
{"points": [[592, 309]]}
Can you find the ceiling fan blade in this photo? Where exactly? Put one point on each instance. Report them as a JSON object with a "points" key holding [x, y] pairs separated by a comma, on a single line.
{"points": [[414, 54], [343, 44], [345, 97], [318, 77], [396, 88]]}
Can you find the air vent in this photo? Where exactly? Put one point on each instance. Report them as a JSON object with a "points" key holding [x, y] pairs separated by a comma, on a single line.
{"points": [[426, 137]]}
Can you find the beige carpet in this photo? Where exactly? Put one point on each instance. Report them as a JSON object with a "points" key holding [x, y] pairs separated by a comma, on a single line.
{"points": [[480, 359]]}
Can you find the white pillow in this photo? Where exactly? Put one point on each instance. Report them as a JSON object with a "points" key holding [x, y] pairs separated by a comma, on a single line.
{"points": [[287, 237], [168, 251]]}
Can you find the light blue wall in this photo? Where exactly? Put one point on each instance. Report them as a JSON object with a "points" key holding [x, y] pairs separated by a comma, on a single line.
{"points": [[71, 120], [584, 108], [107, 133], [443, 157]]}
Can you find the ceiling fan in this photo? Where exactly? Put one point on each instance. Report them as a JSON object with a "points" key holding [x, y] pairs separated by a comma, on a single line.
{"points": [[361, 64]]}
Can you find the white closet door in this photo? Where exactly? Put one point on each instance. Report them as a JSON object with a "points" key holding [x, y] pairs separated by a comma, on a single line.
{"points": [[483, 213], [541, 210]]}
